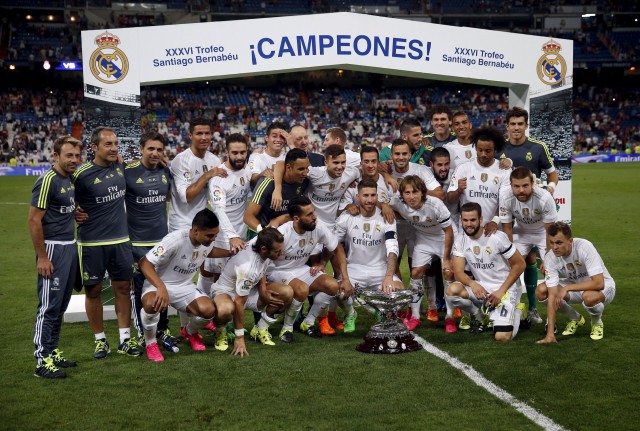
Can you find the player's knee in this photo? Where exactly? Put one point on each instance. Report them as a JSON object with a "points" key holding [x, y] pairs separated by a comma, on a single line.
{"points": [[592, 299], [454, 289], [286, 295], [121, 288], [417, 273], [224, 313], [331, 287], [93, 292], [208, 310], [541, 292], [503, 337]]}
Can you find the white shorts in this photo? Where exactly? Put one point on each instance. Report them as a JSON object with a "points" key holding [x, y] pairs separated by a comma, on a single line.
{"points": [[179, 296], [504, 315], [285, 276], [575, 296], [425, 250], [406, 237], [367, 279], [526, 241], [215, 264]]}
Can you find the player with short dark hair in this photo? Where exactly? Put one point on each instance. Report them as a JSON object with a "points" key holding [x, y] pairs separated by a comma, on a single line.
{"points": [[52, 231], [574, 274], [261, 164]]}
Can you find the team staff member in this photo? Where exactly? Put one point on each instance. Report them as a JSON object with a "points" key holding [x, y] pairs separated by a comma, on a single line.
{"points": [[52, 232], [148, 187], [104, 240], [535, 156]]}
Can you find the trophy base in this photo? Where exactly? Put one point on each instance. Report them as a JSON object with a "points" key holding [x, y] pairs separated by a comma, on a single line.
{"points": [[389, 345]]}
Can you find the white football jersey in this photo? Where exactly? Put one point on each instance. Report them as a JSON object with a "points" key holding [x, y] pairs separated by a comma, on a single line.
{"points": [[460, 154], [258, 162], [176, 259], [368, 239], [429, 220], [228, 200], [529, 216], [487, 256], [353, 158], [484, 186], [351, 195], [242, 272], [583, 262], [186, 168], [423, 172], [298, 248], [325, 192]]}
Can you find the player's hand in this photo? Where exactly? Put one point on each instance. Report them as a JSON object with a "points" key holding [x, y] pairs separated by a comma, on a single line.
{"points": [[164, 161], [560, 294], [287, 137], [542, 270], [479, 291], [45, 267], [490, 228], [385, 166], [236, 244], [162, 300], [273, 298], [391, 182], [217, 172], [267, 173], [239, 347], [551, 189], [276, 199], [447, 266], [462, 184], [387, 213], [317, 269], [352, 209], [346, 289], [549, 339], [80, 215], [120, 159], [494, 298], [387, 284], [505, 163]]}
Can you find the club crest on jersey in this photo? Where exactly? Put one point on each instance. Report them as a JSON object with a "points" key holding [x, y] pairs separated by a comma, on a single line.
{"points": [[578, 263], [525, 212], [367, 227], [495, 180], [487, 250], [551, 67], [194, 256], [429, 219], [158, 251], [119, 172], [536, 211], [311, 241], [164, 179], [301, 243], [108, 63], [476, 250], [484, 177], [467, 154], [378, 228], [570, 267], [298, 190]]}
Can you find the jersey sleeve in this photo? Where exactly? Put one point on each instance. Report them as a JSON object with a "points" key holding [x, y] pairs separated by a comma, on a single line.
{"points": [[549, 212], [458, 250], [443, 213], [429, 179], [546, 160], [315, 174], [505, 247], [453, 183], [327, 238], [164, 251], [551, 275], [592, 260], [391, 238], [504, 211], [218, 202], [340, 228], [263, 191], [40, 194], [244, 280], [181, 178], [385, 154], [347, 198], [254, 164]]}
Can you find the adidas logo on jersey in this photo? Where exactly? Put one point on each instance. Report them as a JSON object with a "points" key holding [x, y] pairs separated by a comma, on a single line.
{"points": [[62, 190], [184, 256], [139, 181], [97, 181]]}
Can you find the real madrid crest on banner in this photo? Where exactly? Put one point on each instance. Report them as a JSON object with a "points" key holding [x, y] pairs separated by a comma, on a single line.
{"points": [[108, 63], [551, 67]]}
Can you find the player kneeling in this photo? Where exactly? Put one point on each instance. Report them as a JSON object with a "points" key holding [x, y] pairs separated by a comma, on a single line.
{"points": [[168, 269], [496, 266]]}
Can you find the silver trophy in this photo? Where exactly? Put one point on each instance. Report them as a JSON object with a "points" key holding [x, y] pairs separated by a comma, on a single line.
{"points": [[389, 335]]}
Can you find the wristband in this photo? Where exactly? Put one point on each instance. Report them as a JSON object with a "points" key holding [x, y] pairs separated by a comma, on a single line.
{"points": [[239, 332], [259, 228], [496, 220]]}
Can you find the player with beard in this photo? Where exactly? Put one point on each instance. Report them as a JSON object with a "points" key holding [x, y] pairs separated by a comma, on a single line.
{"points": [[496, 266], [410, 131], [526, 212], [227, 198], [301, 235]]}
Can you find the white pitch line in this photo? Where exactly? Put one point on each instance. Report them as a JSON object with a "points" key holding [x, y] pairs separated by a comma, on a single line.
{"points": [[529, 412], [14, 203]]}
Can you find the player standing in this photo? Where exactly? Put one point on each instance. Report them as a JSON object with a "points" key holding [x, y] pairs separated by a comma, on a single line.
{"points": [[261, 164], [51, 227]]}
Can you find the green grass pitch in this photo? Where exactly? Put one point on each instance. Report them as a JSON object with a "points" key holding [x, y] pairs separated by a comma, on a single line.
{"points": [[327, 384]]}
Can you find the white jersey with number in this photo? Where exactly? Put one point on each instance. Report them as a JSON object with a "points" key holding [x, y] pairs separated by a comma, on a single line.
{"points": [[530, 216], [228, 200], [176, 259], [298, 248], [488, 257], [368, 240], [325, 192], [484, 186], [186, 169], [258, 162], [583, 262], [460, 154], [428, 220], [242, 272]]}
